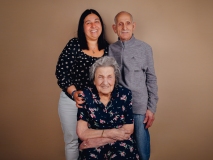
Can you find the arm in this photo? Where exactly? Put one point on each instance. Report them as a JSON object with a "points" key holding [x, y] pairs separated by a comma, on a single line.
{"points": [[152, 88], [64, 66], [95, 142], [85, 133], [64, 69], [95, 138]]}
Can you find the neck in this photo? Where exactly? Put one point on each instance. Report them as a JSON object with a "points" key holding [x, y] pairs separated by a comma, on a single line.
{"points": [[105, 96], [105, 99], [92, 44]]}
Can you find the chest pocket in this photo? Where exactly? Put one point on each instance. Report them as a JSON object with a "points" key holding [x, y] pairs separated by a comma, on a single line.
{"points": [[138, 71]]}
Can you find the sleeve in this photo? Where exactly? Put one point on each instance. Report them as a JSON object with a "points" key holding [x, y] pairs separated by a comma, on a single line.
{"points": [[128, 108], [66, 62], [82, 112], [151, 82]]}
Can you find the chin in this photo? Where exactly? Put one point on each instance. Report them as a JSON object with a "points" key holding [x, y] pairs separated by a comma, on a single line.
{"points": [[105, 93]]}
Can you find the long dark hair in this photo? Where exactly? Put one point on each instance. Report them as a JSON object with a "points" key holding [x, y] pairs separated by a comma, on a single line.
{"points": [[81, 35]]}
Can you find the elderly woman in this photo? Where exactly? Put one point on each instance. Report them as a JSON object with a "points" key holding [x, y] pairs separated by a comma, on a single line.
{"points": [[105, 123]]}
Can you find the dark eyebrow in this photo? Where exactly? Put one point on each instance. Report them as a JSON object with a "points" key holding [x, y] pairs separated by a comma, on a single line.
{"points": [[87, 21]]}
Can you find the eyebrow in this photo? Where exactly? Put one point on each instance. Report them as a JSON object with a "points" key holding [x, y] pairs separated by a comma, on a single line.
{"points": [[95, 20]]}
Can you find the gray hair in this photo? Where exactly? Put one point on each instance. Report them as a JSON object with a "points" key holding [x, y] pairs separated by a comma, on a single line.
{"points": [[115, 19], [105, 61]]}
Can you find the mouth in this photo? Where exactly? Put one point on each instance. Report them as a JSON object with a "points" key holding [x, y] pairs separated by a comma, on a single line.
{"points": [[104, 87], [125, 32], [93, 31]]}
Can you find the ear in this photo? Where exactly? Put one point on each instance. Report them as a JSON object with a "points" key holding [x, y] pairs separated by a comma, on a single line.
{"points": [[133, 25], [114, 28]]}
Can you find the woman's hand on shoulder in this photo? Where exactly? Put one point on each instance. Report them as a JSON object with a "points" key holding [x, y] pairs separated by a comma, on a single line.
{"points": [[78, 98]]}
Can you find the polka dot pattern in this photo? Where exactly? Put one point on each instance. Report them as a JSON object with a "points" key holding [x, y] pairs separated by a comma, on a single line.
{"points": [[73, 66]]}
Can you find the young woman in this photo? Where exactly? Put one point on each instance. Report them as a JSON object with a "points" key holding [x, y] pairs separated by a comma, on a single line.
{"points": [[72, 72]]}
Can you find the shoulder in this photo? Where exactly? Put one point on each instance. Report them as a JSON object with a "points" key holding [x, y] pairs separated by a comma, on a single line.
{"points": [[117, 43], [115, 49], [142, 43], [123, 90], [89, 92], [74, 41]]}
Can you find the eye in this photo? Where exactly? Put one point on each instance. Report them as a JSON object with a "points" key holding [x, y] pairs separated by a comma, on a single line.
{"points": [[97, 21], [87, 22]]}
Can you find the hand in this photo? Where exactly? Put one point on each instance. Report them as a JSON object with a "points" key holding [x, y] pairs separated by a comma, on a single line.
{"points": [[95, 142], [149, 119], [118, 134], [78, 100]]}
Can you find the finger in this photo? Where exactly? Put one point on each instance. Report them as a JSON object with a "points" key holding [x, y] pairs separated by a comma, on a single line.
{"points": [[127, 132], [146, 119], [149, 123], [78, 106]]}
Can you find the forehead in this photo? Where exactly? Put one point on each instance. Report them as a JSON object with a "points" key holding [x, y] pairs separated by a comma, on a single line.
{"points": [[104, 70], [123, 17], [90, 17]]}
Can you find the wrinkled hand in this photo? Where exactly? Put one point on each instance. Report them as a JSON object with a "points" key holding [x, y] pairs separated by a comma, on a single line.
{"points": [[95, 142], [119, 134], [78, 100], [149, 119]]}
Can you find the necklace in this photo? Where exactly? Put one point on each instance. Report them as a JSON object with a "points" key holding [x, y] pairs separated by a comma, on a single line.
{"points": [[93, 51]]}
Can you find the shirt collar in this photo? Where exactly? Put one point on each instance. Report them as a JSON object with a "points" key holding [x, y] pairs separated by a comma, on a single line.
{"points": [[128, 43]]}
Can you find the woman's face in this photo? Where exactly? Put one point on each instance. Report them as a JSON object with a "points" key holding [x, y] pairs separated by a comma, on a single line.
{"points": [[104, 80], [92, 27]]}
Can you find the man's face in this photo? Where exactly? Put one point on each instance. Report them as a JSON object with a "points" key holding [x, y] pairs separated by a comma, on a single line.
{"points": [[124, 27]]}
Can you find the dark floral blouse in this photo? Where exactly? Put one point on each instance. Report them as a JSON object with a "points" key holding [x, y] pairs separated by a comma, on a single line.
{"points": [[117, 112], [73, 66], [114, 115]]}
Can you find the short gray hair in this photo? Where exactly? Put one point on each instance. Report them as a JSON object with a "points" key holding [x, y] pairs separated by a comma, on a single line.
{"points": [[115, 19], [105, 61]]}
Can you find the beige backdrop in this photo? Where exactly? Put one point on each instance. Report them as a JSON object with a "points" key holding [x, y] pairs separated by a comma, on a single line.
{"points": [[33, 34]]}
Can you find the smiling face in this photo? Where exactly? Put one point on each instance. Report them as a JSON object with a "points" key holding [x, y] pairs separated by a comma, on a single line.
{"points": [[92, 27], [104, 80], [124, 26]]}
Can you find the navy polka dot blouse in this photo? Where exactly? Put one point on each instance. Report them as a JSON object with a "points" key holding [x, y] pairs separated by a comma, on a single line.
{"points": [[73, 66]]}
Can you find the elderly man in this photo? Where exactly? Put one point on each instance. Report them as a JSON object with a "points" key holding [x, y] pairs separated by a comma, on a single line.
{"points": [[135, 60]]}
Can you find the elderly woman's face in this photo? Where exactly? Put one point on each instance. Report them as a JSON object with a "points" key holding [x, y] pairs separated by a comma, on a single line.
{"points": [[104, 80]]}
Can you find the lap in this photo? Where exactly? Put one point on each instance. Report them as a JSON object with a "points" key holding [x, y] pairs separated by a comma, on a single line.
{"points": [[114, 151]]}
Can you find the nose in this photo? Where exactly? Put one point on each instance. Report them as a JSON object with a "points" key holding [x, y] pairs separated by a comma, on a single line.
{"points": [[124, 26], [105, 81], [92, 25]]}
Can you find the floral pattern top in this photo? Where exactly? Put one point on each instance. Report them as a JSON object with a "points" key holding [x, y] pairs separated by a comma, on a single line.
{"points": [[73, 66], [117, 112]]}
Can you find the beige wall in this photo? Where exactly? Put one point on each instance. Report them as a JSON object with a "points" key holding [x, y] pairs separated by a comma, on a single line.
{"points": [[33, 33]]}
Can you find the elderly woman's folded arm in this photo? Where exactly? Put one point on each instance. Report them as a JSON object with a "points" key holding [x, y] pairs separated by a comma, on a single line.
{"points": [[98, 137]]}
